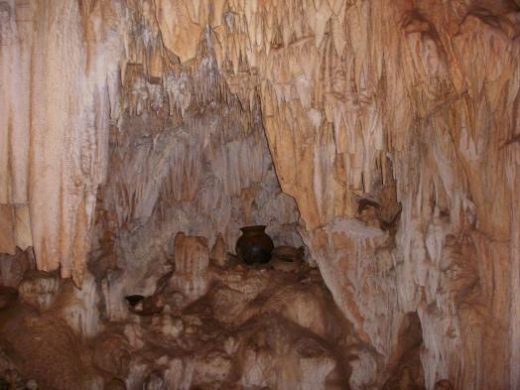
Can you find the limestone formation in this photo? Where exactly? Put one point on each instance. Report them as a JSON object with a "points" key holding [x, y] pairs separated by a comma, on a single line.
{"points": [[382, 135]]}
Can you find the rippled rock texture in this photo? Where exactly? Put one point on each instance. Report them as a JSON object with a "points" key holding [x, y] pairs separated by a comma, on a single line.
{"points": [[392, 125]]}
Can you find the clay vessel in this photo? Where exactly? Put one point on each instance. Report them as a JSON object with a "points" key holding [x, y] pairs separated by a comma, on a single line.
{"points": [[254, 246]]}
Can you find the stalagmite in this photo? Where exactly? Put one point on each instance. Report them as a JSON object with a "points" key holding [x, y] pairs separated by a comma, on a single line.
{"points": [[381, 135]]}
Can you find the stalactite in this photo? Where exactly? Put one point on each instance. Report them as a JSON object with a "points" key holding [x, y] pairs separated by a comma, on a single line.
{"points": [[411, 105], [57, 101], [381, 78]]}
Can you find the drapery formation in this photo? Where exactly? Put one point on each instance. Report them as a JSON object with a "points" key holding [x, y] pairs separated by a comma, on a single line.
{"points": [[57, 77]]}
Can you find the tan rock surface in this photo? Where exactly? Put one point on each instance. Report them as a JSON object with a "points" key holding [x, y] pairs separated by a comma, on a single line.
{"points": [[411, 104]]}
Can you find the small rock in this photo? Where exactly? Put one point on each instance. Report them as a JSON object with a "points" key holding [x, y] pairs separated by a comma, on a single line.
{"points": [[443, 384], [112, 355], [39, 289], [171, 326], [8, 296], [115, 384], [288, 253], [218, 255], [154, 381]]}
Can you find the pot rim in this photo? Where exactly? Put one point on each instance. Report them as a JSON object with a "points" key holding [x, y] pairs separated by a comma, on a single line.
{"points": [[253, 228]]}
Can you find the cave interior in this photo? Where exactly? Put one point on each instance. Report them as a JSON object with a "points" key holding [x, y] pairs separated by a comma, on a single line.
{"points": [[377, 141]]}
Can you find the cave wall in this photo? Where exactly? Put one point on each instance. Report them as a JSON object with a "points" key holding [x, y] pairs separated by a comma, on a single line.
{"points": [[194, 158], [392, 124], [351, 91], [56, 92], [184, 158]]}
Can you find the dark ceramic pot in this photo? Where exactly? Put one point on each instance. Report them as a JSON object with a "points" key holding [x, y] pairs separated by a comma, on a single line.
{"points": [[254, 245]]}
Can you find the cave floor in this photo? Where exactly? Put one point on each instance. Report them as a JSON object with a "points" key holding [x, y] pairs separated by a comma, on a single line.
{"points": [[253, 327]]}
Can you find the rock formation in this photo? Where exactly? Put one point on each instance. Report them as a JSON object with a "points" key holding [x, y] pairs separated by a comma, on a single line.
{"points": [[382, 135]]}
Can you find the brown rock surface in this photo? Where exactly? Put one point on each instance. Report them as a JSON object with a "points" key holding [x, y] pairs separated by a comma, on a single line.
{"points": [[391, 124]]}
